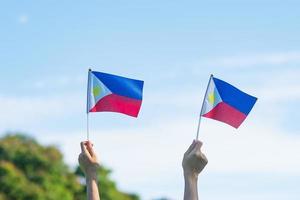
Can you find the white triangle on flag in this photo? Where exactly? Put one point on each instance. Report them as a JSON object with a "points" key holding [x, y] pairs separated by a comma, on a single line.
{"points": [[212, 98], [97, 90]]}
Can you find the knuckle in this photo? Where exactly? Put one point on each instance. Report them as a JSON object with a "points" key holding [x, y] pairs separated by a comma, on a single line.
{"points": [[198, 154], [205, 160]]}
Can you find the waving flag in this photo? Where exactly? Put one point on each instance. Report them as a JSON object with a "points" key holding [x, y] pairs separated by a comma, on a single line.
{"points": [[111, 93], [226, 103]]}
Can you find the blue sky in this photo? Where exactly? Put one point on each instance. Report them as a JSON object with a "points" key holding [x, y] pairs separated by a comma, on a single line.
{"points": [[47, 47]]}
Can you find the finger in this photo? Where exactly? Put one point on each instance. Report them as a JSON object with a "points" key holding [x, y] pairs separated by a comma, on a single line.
{"points": [[80, 158], [84, 149], [191, 147], [204, 158], [82, 145], [199, 143], [197, 147], [89, 146]]}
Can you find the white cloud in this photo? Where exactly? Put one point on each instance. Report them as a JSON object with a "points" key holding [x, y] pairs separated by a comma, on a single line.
{"points": [[59, 81], [253, 60], [23, 19], [283, 85], [255, 148], [28, 112]]}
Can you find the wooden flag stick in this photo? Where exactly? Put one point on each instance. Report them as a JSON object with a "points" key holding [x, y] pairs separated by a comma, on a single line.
{"points": [[88, 105], [87, 127], [200, 116]]}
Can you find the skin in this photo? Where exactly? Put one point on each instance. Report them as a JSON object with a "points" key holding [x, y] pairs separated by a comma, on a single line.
{"points": [[193, 163], [89, 164]]}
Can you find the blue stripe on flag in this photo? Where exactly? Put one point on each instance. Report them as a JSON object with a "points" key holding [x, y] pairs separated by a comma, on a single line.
{"points": [[235, 97], [122, 86]]}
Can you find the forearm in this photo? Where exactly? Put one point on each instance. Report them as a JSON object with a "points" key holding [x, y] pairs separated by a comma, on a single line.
{"points": [[190, 187], [92, 187]]}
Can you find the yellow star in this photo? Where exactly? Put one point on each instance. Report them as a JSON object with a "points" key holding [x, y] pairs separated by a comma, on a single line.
{"points": [[211, 98], [96, 91]]}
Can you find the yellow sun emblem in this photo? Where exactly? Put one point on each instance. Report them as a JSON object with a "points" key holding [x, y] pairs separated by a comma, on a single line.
{"points": [[211, 98], [96, 91]]}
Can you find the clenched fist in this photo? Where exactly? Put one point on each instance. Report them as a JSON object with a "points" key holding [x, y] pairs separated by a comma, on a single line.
{"points": [[194, 160]]}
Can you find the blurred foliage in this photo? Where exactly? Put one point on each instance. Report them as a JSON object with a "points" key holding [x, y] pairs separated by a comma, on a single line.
{"points": [[30, 171]]}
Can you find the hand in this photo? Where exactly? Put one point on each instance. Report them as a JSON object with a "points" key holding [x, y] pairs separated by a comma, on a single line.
{"points": [[194, 160], [88, 160]]}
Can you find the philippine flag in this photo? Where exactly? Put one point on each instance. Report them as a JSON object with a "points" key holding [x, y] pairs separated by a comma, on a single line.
{"points": [[226, 103], [111, 93]]}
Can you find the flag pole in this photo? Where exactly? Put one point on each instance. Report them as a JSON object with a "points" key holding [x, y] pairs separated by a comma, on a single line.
{"points": [[200, 116], [87, 127], [88, 106]]}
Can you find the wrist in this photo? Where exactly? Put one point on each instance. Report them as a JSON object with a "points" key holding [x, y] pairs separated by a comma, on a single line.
{"points": [[190, 185], [189, 175], [91, 175]]}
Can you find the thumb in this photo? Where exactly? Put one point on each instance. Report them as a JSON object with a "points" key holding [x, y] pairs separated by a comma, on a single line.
{"points": [[90, 148]]}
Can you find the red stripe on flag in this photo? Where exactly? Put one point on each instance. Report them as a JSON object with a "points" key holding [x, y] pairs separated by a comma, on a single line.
{"points": [[227, 114], [120, 104]]}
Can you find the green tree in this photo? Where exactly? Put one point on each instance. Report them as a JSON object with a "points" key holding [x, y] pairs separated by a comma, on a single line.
{"points": [[30, 171]]}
